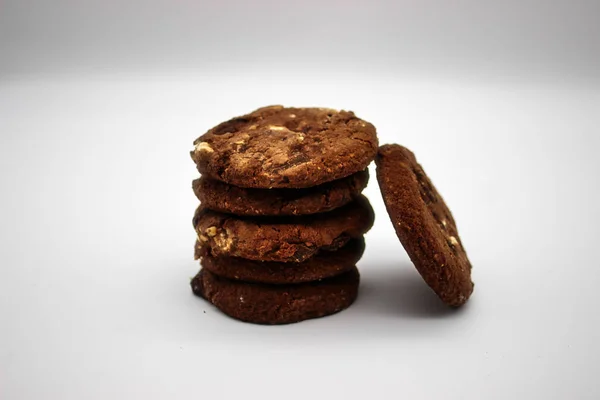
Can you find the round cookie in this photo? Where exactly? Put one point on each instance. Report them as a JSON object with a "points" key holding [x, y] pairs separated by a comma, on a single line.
{"points": [[424, 224], [277, 147], [323, 265], [277, 304], [219, 196], [282, 239]]}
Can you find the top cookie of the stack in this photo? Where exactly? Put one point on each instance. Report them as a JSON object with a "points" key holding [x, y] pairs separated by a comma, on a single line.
{"points": [[278, 147]]}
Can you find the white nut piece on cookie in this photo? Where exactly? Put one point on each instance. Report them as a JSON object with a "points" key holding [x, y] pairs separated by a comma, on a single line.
{"points": [[223, 241], [204, 147], [211, 231], [277, 128]]}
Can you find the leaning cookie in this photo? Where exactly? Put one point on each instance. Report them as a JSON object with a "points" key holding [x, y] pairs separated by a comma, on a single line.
{"points": [[277, 304], [282, 239], [219, 196], [277, 147], [424, 224], [323, 265]]}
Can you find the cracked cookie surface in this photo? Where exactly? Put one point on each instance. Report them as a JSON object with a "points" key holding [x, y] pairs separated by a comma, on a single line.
{"points": [[222, 197], [278, 147], [277, 304], [282, 239], [325, 264], [424, 224]]}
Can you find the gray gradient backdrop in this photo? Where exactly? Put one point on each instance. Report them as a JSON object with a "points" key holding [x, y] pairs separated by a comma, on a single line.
{"points": [[100, 103]]}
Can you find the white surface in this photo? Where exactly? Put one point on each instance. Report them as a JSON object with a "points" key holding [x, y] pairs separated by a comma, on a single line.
{"points": [[97, 244]]}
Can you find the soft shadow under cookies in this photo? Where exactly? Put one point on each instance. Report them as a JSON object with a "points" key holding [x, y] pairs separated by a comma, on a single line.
{"points": [[399, 290]]}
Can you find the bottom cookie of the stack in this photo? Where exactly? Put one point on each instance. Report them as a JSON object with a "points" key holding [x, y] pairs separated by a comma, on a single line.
{"points": [[277, 304]]}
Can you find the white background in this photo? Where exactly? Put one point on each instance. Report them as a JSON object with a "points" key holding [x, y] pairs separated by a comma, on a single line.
{"points": [[100, 104]]}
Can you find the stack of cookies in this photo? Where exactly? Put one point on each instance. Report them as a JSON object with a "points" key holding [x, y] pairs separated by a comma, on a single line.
{"points": [[281, 218]]}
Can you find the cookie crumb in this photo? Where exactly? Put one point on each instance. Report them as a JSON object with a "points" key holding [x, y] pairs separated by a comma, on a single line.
{"points": [[211, 231]]}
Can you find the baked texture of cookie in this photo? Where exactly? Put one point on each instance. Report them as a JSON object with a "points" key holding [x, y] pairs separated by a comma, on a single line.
{"points": [[219, 196], [277, 304], [325, 264], [282, 239], [277, 147], [424, 224]]}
